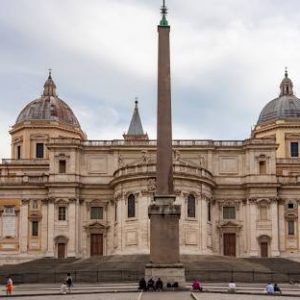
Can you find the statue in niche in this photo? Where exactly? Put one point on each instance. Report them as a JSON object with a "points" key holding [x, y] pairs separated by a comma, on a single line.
{"points": [[120, 161], [202, 161], [177, 155], [145, 156], [151, 185]]}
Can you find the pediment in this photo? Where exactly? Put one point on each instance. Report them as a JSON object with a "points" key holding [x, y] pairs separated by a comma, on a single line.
{"points": [[96, 226], [230, 224]]}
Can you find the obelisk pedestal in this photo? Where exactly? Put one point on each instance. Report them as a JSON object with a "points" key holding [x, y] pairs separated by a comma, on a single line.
{"points": [[163, 213], [164, 241]]}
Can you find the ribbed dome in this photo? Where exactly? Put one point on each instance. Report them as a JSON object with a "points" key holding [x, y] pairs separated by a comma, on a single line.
{"points": [[286, 106], [48, 107]]}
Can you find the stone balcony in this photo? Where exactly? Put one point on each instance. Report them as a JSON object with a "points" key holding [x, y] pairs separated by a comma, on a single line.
{"points": [[148, 170], [19, 162]]}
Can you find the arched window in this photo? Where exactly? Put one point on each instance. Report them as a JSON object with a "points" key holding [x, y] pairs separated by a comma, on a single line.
{"points": [[191, 206], [131, 206]]}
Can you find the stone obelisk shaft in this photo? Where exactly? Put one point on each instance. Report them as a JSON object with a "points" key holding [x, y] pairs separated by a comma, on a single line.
{"points": [[163, 213], [164, 176]]}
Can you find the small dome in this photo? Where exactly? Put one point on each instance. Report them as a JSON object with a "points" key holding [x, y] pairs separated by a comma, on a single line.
{"points": [[48, 107], [286, 106]]}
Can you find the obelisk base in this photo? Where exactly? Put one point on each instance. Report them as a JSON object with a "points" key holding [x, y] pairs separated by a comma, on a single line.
{"points": [[168, 273], [164, 241]]}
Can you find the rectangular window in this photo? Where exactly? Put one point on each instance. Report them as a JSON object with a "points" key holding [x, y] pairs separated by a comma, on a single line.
{"points": [[208, 212], [294, 149], [263, 212], [262, 167], [19, 152], [9, 210], [62, 166], [228, 212], [191, 207], [96, 213], [62, 213], [35, 204], [39, 150], [116, 212], [131, 206], [35, 228], [291, 227]]}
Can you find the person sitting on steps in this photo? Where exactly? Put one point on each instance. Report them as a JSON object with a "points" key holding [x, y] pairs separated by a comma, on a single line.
{"points": [[142, 284], [159, 285], [196, 286], [231, 287], [277, 289], [150, 285]]}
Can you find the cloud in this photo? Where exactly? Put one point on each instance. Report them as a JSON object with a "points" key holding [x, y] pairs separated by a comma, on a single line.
{"points": [[228, 59]]}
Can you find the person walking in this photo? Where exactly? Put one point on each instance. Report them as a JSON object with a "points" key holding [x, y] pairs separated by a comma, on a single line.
{"points": [[69, 282]]}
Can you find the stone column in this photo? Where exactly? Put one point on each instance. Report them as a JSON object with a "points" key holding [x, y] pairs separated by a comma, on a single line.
{"points": [[203, 220], [79, 228], [281, 229], [23, 237], [274, 216], [44, 226], [252, 224], [50, 229], [72, 228], [298, 224]]}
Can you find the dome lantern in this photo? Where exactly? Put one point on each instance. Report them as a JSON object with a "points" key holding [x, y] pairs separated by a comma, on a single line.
{"points": [[49, 86], [286, 86]]}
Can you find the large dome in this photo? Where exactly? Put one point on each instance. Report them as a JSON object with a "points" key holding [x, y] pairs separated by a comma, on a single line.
{"points": [[286, 106], [48, 107]]}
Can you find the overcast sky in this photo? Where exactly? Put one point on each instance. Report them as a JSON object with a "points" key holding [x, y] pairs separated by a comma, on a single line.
{"points": [[227, 61]]}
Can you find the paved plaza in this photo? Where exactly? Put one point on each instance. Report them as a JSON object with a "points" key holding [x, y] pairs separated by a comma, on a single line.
{"points": [[156, 296], [128, 291]]}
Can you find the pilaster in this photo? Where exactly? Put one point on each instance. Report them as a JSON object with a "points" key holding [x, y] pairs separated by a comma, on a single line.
{"points": [[50, 229], [23, 238], [72, 228], [274, 242], [252, 224]]}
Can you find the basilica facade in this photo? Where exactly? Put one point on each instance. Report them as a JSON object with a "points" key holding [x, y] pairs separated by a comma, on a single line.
{"points": [[62, 195]]}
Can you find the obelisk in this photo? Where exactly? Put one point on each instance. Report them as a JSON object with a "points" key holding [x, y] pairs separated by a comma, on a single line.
{"points": [[163, 213]]}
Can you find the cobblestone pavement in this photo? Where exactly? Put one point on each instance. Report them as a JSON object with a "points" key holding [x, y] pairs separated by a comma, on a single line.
{"points": [[156, 296]]}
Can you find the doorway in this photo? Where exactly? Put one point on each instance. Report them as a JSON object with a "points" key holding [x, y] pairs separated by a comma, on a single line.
{"points": [[61, 250], [229, 242], [264, 249], [96, 244]]}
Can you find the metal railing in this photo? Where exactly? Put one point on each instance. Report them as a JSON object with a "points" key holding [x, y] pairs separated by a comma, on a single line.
{"points": [[134, 276]]}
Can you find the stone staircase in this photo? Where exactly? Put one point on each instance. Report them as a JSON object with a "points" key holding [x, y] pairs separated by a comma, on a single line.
{"points": [[131, 268]]}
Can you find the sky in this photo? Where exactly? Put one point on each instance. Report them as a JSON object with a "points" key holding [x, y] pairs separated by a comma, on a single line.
{"points": [[227, 61]]}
